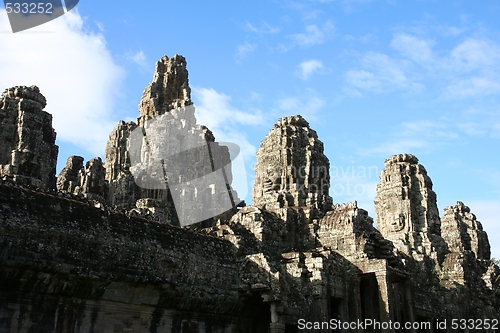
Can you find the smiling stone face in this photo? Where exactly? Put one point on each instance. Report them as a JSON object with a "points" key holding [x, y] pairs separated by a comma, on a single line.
{"points": [[291, 168], [406, 205]]}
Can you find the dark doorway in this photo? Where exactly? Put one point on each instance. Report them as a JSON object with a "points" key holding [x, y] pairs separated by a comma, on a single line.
{"points": [[255, 316], [370, 295]]}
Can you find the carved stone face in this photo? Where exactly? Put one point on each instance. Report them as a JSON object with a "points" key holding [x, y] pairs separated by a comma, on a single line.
{"points": [[398, 224]]}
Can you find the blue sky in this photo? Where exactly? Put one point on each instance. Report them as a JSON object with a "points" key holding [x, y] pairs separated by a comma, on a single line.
{"points": [[373, 78]]}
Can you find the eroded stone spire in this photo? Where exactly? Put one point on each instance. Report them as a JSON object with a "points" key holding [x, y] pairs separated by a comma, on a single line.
{"points": [[463, 232], [169, 88], [291, 169], [85, 181], [166, 159], [28, 153], [406, 207]]}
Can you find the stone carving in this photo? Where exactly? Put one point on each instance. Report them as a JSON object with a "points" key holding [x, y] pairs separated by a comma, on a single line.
{"points": [[291, 169], [406, 207], [463, 232], [28, 153]]}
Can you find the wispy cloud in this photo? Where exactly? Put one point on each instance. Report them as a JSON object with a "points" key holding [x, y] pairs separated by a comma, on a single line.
{"points": [[475, 54], [413, 137], [416, 49], [473, 86], [214, 110], [314, 35], [263, 28], [381, 73], [470, 68], [140, 59], [243, 50], [308, 104], [309, 67], [80, 97]]}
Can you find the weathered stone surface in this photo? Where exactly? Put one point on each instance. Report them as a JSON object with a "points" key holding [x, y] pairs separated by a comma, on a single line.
{"points": [[84, 181], [163, 159], [406, 207], [463, 232], [349, 230], [68, 265], [28, 153], [123, 192], [93, 183], [171, 152], [291, 169], [69, 179], [169, 88]]}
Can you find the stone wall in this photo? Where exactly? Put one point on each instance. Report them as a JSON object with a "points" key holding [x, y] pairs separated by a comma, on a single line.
{"points": [[66, 264]]}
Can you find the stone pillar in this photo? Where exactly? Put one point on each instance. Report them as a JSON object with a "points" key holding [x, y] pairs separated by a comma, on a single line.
{"points": [[384, 299]]}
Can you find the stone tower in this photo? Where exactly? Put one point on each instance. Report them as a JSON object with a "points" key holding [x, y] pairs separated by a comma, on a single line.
{"points": [[406, 207], [165, 163], [463, 232], [291, 169], [28, 154], [169, 89]]}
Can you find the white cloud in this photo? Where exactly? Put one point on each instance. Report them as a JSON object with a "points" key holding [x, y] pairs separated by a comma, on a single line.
{"points": [[468, 69], [381, 73], [416, 49], [73, 69], [263, 28], [243, 50], [314, 35], [475, 54], [214, 110], [309, 67], [307, 104], [412, 137], [140, 59], [472, 86], [100, 26]]}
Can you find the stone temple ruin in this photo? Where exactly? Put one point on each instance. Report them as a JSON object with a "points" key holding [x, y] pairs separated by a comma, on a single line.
{"points": [[91, 251]]}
